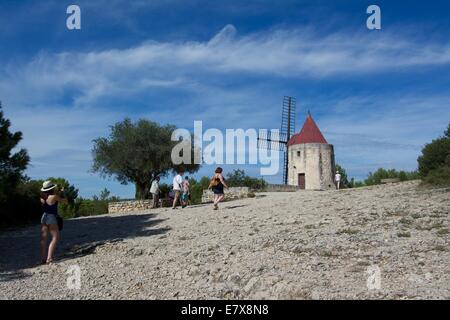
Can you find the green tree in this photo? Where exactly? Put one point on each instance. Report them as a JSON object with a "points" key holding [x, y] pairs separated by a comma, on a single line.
{"points": [[70, 191], [438, 177], [376, 177], [357, 184], [434, 163], [197, 187], [435, 154], [137, 152], [24, 205], [12, 163], [164, 190], [204, 182], [88, 207], [238, 178], [105, 194]]}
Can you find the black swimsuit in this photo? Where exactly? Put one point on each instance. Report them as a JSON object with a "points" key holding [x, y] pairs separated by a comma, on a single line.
{"points": [[50, 209], [219, 188]]}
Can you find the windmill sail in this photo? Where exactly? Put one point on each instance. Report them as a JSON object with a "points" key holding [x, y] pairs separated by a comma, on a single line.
{"points": [[287, 129], [271, 141]]}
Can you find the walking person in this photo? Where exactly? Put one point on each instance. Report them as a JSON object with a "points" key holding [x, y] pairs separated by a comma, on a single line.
{"points": [[177, 188], [217, 184], [186, 192], [49, 221], [337, 179], [154, 190]]}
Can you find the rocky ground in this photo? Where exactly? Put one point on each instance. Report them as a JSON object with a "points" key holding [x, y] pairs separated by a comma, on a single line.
{"points": [[300, 245]]}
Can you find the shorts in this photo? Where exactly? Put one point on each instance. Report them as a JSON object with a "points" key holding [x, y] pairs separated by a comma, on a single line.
{"points": [[185, 196], [218, 190], [48, 219]]}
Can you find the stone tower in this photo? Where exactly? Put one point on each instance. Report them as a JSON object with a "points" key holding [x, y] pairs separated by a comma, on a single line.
{"points": [[311, 158]]}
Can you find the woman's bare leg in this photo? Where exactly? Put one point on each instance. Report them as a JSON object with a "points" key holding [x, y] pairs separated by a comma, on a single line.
{"points": [[54, 231], [215, 201], [217, 198], [44, 238], [176, 199]]}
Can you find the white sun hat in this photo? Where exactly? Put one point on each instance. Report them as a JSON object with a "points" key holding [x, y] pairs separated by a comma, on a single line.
{"points": [[47, 186]]}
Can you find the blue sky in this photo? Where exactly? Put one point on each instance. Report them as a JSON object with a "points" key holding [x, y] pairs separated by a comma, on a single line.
{"points": [[378, 96]]}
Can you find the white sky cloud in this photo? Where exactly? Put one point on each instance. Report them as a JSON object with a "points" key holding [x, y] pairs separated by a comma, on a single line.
{"points": [[61, 100], [283, 53]]}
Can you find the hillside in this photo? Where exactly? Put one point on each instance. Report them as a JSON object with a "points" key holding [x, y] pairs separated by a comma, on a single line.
{"points": [[301, 245]]}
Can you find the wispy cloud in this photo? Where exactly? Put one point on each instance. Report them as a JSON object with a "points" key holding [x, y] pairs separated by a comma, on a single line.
{"points": [[61, 101], [279, 53], [388, 131]]}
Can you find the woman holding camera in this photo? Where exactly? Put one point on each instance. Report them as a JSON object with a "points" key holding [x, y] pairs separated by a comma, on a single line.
{"points": [[49, 221]]}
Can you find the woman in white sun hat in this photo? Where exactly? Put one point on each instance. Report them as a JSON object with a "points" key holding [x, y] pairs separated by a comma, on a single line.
{"points": [[49, 221]]}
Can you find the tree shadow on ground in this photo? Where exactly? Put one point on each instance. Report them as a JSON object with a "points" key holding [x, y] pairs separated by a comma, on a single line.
{"points": [[20, 248]]}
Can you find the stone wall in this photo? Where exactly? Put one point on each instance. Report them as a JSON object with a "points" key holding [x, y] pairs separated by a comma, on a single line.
{"points": [[129, 206], [393, 180], [280, 188], [230, 194], [207, 196]]}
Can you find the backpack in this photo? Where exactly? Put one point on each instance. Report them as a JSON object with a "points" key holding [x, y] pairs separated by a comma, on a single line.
{"points": [[214, 182]]}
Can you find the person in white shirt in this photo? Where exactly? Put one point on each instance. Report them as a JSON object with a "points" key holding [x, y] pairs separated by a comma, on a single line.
{"points": [[177, 188], [337, 178], [154, 190]]}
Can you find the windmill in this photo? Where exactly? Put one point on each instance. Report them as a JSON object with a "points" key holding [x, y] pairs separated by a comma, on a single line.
{"points": [[279, 143]]}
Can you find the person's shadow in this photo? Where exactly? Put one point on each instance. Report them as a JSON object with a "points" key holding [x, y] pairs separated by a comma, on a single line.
{"points": [[20, 248]]}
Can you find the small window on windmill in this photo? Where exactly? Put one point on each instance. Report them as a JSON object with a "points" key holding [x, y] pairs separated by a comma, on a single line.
{"points": [[298, 153]]}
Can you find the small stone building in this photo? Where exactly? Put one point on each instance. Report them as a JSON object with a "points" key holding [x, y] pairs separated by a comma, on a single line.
{"points": [[310, 158]]}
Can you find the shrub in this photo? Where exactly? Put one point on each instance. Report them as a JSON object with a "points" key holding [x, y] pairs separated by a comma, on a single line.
{"points": [[438, 177], [87, 207], [434, 163], [238, 178], [196, 189], [376, 177], [164, 190], [435, 155], [23, 206]]}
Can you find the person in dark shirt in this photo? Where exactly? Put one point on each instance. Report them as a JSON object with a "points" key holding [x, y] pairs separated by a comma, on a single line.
{"points": [[217, 184]]}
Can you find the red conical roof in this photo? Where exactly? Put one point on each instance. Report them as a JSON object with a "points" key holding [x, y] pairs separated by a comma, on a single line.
{"points": [[310, 133]]}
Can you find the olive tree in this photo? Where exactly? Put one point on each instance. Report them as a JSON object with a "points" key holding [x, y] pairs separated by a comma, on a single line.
{"points": [[136, 153]]}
